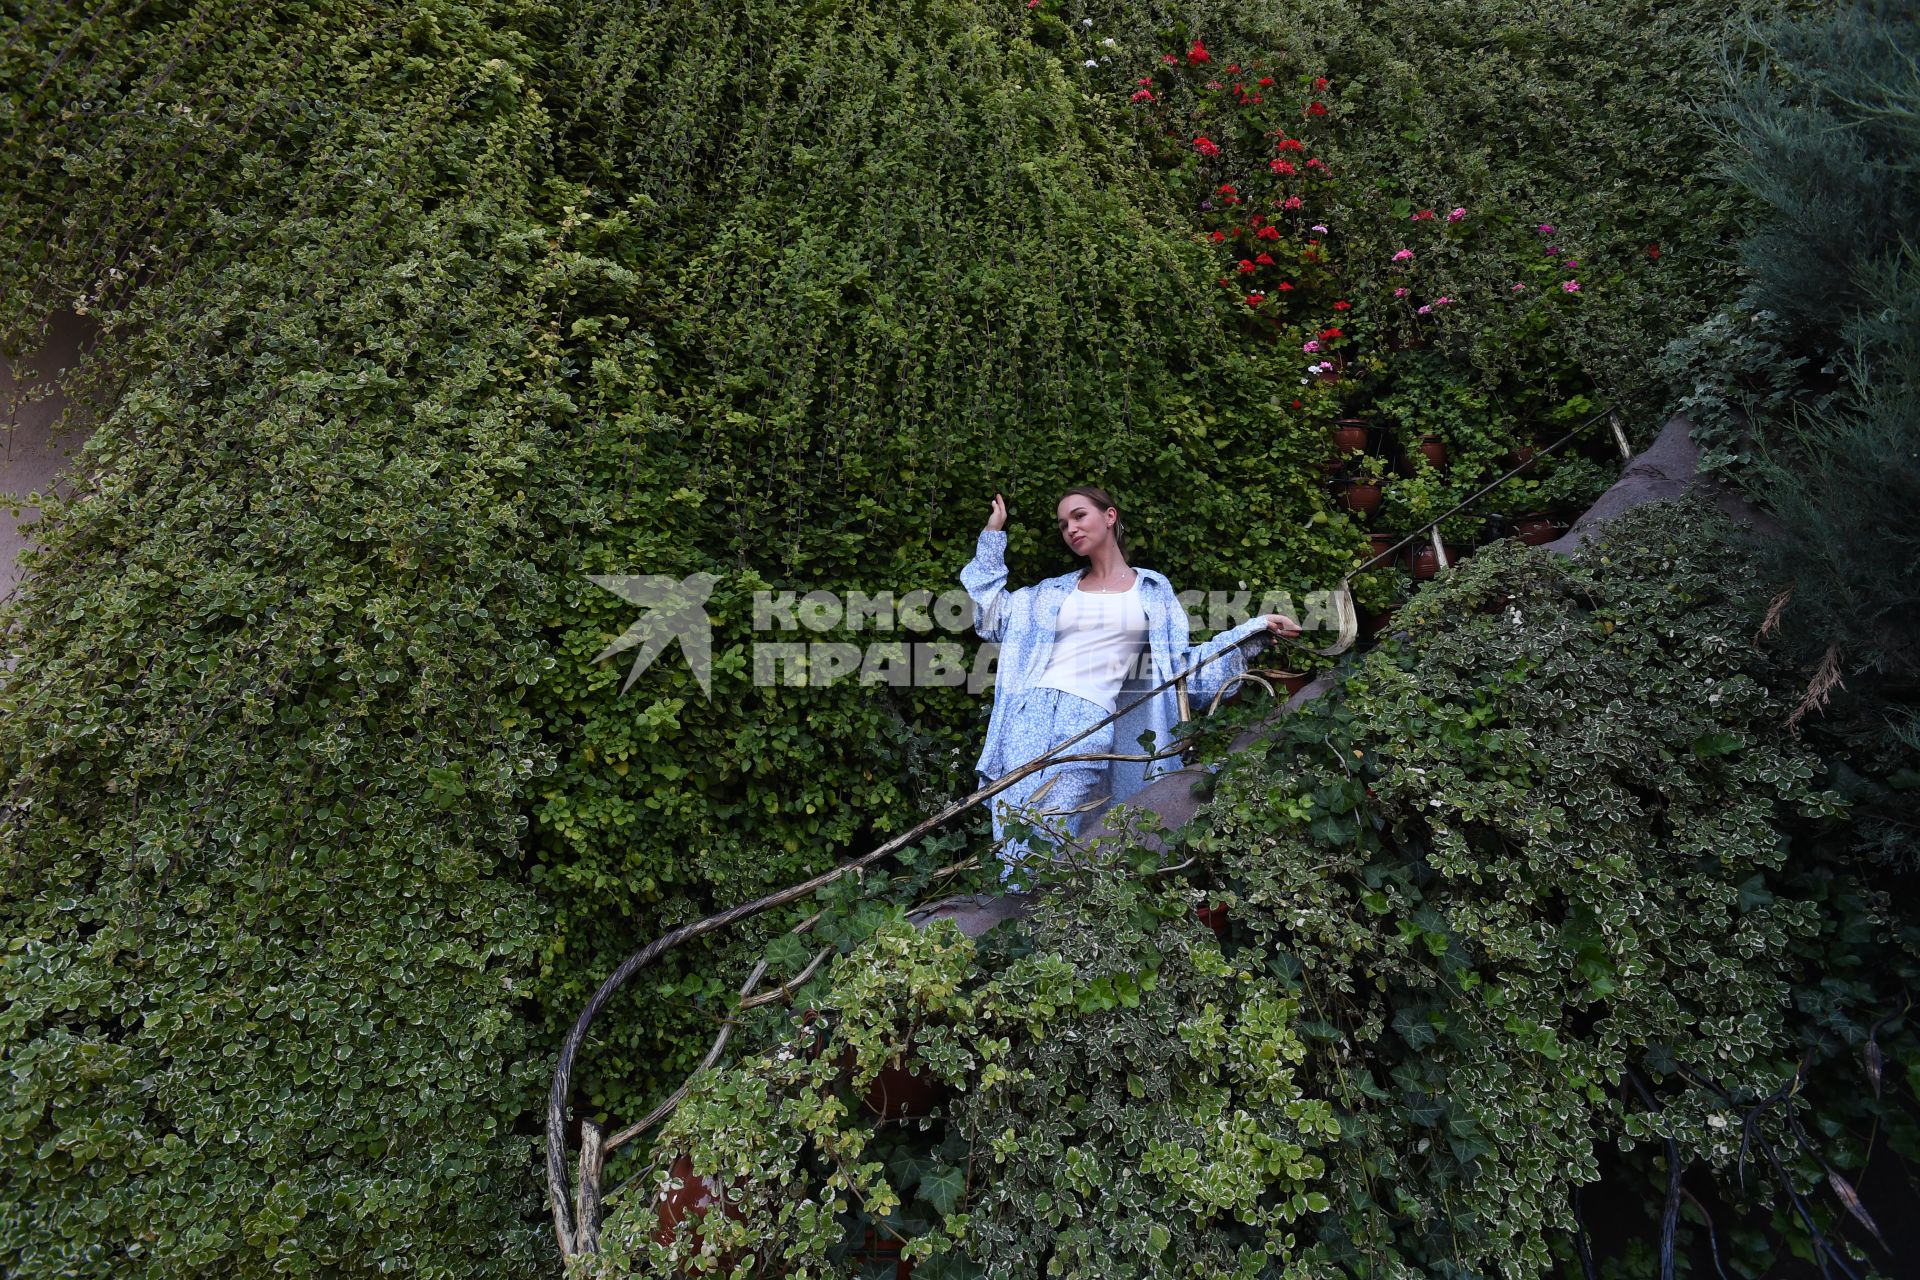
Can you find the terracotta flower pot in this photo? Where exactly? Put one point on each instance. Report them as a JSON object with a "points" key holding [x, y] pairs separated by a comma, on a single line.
{"points": [[876, 1248], [1363, 496], [1295, 684], [1214, 917], [1534, 529], [1350, 434], [897, 1093], [1381, 543], [1372, 624], [1436, 450], [1425, 564], [687, 1196], [1519, 455]]}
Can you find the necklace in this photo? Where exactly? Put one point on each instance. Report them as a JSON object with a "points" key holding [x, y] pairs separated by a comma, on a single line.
{"points": [[1108, 590]]}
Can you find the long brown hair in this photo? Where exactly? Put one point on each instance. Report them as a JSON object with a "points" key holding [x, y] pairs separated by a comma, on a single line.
{"points": [[1101, 499]]}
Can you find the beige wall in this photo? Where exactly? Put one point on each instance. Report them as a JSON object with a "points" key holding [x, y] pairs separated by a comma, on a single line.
{"points": [[30, 458]]}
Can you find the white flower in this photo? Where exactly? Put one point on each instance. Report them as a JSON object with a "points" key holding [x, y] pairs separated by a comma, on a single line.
{"points": [[1108, 42], [1091, 62], [1086, 22]]}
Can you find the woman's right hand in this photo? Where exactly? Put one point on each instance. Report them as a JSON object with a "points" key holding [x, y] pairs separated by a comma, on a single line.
{"points": [[998, 520]]}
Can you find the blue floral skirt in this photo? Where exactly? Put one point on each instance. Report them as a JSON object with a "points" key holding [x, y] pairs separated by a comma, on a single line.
{"points": [[1043, 720]]}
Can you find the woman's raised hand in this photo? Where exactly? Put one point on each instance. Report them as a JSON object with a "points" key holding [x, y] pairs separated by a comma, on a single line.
{"points": [[1280, 624], [998, 520]]}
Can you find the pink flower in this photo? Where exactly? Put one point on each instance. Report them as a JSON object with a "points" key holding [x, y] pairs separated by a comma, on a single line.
{"points": [[1425, 310], [1519, 288], [1571, 286], [1293, 202], [1282, 167], [1310, 346], [1545, 228], [1572, 262], [1316, 163], [1405, 255], [1456, 215], [1401, 293], [1143, 95], [1320, 227], [1443, 302]]}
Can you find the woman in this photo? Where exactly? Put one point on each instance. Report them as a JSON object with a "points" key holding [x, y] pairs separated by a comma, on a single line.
{"points": [[1069, 647]]}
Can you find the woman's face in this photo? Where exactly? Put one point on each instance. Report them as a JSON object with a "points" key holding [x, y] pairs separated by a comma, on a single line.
{"points": [[1083, 525]]}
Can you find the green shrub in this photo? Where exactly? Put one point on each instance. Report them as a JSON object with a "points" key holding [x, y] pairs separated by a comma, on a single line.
{"points": [[1519, 892]]}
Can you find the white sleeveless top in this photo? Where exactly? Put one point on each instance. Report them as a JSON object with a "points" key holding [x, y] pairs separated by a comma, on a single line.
{"points": [[1097, 640]]}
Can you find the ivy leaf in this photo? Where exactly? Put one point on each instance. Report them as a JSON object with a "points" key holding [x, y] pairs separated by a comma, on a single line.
{"points": [[910, 1167], [942, 1188], [1414, 1028]]}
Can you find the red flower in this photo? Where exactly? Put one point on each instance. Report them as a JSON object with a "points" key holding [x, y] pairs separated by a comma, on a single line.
{"points": [[1144, 80], [1233, 66], [1223, 282], [1332, 333], [1169, 58], [1197, 54], [1286, 286], [1343, 305], [1255, 299], [1219, 236], [1425, 215], [1206, 146], [1289, 144], [1320, 84], [1653, 251], [1282, 167], [1258, 219], [1293, 202], [1254, 100], [1265, 81], [1316, 108], [1316, 163], [1271, 233], [1226, 189], [1265, 259], [1245, 266], [1310, 256], [1215, 84], [1143, 95], [1296, 404]]}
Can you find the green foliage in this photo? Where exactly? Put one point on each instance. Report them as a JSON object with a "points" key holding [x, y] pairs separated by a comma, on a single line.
{"points": [[263, 744], [322, 817], [1521, 892], [1804, 390], [1817, 128]]}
